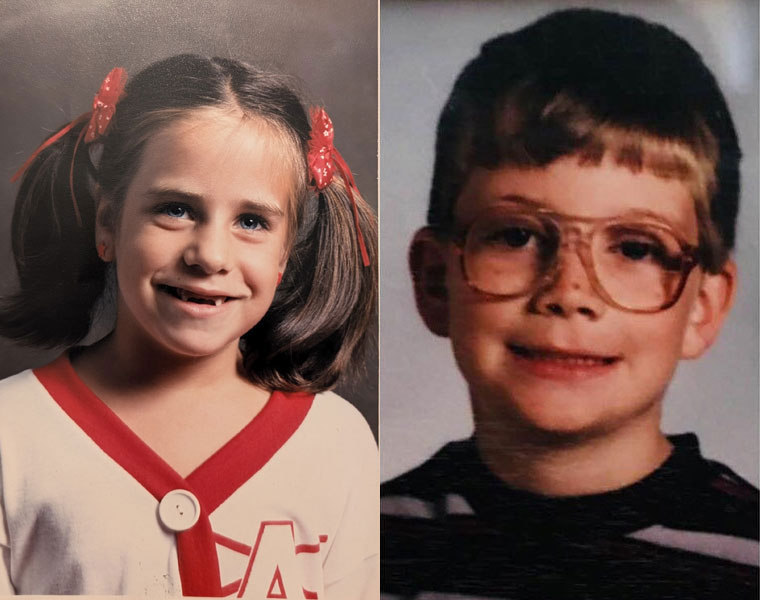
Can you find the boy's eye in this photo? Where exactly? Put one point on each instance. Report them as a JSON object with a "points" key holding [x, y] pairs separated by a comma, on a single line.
{"points": [[645, 251], [638, 244], [514, 237], [507, 236], [636, 250]]}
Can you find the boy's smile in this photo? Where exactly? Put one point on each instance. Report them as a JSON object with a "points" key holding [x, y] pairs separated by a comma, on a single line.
{"points": [[555, 362], [202, 234], [561, 359]]}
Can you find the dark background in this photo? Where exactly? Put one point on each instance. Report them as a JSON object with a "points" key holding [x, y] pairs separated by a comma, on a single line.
{"points": [[54, 55]]}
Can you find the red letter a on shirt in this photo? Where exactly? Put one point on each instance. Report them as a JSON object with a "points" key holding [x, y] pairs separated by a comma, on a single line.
{"points": [[272, 570]]}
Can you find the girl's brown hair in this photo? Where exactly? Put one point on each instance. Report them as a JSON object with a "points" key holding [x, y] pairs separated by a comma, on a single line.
{"points": [[317, 326]]}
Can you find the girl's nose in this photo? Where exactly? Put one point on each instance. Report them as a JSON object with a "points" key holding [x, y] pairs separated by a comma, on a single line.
{"points": [[208, 250], [569, 291]]}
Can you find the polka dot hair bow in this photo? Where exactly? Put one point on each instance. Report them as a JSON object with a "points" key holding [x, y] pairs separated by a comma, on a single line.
{"points": [[100, 117], [104, 104], [324, 159]]}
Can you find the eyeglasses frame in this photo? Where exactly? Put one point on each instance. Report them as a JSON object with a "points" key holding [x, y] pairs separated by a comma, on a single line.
{"points": [[691, 254]]}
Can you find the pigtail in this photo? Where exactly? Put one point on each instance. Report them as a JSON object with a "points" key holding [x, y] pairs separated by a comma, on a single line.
{"points": [[317, 328], [60, 275]]}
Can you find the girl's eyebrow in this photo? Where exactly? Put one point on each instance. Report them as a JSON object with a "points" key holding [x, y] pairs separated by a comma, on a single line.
{"points": [[171, 194]]}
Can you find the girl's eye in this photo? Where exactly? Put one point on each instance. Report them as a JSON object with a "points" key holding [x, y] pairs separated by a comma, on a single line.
{"points": [[252, 222], [176, 211]]}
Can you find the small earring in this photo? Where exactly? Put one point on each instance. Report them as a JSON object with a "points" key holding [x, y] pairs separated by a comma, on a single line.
{"points": [[279, 278], [102, 250]]}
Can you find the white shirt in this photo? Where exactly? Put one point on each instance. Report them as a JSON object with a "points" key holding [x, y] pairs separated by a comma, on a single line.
{"points": [[288, 508]]}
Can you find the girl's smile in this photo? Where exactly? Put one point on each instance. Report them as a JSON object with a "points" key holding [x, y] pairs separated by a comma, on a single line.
{"points": [[203, 233], [196, 304]]}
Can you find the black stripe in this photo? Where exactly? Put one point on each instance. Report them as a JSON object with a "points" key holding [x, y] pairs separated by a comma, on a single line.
{"points": [[462, 557]]}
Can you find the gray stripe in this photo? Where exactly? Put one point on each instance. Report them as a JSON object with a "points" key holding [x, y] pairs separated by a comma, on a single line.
{"points": [[406, 506], [457, 505], [719, 545]]}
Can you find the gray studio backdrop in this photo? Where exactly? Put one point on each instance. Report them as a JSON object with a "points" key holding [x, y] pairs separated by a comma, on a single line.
{"points": [[54, 55], [423, 399]]}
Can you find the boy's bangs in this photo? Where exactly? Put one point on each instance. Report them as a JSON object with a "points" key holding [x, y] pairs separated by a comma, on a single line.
{"points": [[531, 128], [690, 162]]}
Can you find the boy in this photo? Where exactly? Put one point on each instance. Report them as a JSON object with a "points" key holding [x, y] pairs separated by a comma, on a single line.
{"points": [[578, 245]]}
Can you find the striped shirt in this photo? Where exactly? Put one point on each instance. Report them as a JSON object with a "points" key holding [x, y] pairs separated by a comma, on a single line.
{"points": [[452, 530]]}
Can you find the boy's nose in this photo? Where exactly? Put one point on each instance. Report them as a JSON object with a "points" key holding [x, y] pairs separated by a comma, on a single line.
{"points": [[208, 250], [569, 290]]}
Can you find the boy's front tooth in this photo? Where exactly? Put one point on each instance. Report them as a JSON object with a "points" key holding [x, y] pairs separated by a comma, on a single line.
{"points": [[183, 294], [217, 301]]}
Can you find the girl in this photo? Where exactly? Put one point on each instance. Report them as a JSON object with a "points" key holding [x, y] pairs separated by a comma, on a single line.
{"points": [[186, 452]]}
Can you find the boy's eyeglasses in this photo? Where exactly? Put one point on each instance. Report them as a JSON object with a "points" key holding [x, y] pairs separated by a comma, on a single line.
{"points": [[633, 263]]}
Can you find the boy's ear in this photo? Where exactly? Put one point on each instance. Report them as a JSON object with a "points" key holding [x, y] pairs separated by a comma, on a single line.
{"points": [[427, 261], [105, 228], [713, 302]]}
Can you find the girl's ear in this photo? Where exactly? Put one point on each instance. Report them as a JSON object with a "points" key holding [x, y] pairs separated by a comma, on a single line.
{"points": [[284, 260], [427, 261], [284, 257], [713, 302], [281, 270], [105, 228]]}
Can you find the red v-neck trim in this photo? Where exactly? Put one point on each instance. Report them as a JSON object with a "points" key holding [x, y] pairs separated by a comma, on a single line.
{"points": [[215, 480], [217, 477]]}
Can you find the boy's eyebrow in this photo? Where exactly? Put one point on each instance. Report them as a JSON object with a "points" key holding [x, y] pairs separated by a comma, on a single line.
{"points": [[172, 194], [631, 212], [523, 200]]}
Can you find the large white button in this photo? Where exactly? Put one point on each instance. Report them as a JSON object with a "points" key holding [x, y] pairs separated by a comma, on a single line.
{"points": [[179, 510]]}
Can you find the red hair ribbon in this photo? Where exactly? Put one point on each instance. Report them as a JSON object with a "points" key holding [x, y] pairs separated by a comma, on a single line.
{"points": [[103, 108], [323, 158], [104, 104]]}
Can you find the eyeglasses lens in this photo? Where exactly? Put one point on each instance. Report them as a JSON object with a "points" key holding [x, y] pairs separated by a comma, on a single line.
{"points": [[639, 266]]}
